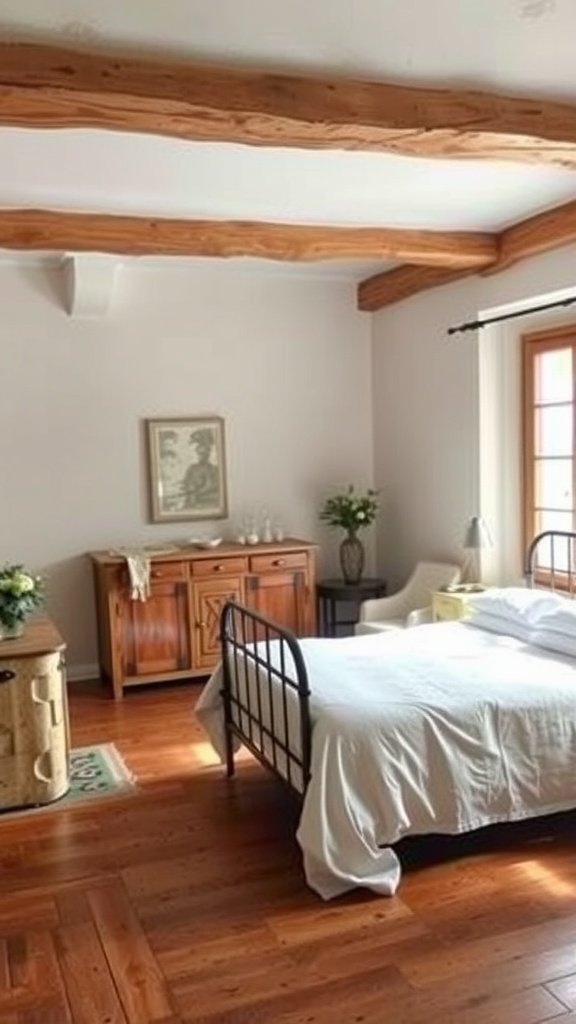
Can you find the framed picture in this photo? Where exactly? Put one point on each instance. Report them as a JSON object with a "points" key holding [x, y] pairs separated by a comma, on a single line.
{"points": [[187, 469]]}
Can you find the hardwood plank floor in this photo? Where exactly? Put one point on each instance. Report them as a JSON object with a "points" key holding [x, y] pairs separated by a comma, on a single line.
{"points": [[186, 902]]}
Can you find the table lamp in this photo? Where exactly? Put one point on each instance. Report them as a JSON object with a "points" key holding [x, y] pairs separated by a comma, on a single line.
{"points": [[477, 536]]}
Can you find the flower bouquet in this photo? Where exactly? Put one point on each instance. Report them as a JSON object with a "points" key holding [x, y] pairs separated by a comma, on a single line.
{"points": [[21, 592], [351, 511]]}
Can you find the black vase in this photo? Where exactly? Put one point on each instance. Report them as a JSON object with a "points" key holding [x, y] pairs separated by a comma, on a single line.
{"points": [[352, 558]]}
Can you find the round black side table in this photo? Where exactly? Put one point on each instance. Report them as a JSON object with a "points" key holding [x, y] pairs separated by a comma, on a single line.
{"points": [[331, 593]]}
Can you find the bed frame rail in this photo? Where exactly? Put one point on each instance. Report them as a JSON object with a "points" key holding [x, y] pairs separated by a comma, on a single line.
{"points": [[265, 692], [551, 561]]}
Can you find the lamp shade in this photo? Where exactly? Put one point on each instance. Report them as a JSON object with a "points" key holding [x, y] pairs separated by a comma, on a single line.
{"points": [[477, 534]]}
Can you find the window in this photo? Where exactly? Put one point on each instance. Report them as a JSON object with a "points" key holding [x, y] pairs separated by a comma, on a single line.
{"points": [[549, 403]]}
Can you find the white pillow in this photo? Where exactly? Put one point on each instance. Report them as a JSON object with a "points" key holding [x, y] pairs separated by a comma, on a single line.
{"points": [[550, 640], [498, 624], [561, 619], [515, 604]]}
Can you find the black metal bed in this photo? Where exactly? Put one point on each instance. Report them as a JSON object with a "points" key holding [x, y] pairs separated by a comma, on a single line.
{"points": [[266, 690], [266, 694]]}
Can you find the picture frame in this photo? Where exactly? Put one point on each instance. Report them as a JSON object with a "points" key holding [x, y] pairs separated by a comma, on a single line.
{"points": [[186, 468]]}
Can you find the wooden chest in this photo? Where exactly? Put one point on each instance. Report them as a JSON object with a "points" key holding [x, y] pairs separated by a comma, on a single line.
{"points": [[34, 733]]}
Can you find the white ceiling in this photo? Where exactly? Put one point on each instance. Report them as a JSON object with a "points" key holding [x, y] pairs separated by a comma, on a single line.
{"points": [[95, 170], [525, 47]]}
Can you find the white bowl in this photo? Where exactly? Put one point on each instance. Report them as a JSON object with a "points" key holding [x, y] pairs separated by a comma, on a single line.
{"points": [[212, 542]]}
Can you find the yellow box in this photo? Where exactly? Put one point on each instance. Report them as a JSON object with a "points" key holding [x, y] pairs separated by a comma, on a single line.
{"points": [[447, 606]]}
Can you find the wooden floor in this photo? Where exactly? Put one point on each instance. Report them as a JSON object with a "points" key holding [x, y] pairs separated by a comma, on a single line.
{"points": [[186, 902]]}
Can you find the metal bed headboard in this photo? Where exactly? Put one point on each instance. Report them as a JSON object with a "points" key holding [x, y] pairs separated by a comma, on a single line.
{"points": [[551, 561]]}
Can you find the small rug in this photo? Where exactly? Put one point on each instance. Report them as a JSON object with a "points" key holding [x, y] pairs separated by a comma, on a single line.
{"points": [[97, 771]]}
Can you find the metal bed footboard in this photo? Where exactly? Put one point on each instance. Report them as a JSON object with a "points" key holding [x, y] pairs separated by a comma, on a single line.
{"points": [[551, 561], [266, 694]]}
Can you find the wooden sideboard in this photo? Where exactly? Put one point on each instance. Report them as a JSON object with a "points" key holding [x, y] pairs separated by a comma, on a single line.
{"points": [[174, 634]]}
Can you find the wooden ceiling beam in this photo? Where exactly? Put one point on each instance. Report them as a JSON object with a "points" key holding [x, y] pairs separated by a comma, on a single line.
{"points": [[394, 285], [145, 236], [541, 233], [49, 87], [531, 237]]}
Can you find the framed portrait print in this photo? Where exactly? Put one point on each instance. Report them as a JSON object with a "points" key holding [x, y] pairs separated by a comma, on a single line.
{"points": [[186, 469]]}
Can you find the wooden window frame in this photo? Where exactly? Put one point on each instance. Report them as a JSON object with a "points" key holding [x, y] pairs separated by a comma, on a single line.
{"points": [[533, 344]]}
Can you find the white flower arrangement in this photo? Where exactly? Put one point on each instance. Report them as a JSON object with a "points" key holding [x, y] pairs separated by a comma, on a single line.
{"points": [[21, 592], [351, 511]]}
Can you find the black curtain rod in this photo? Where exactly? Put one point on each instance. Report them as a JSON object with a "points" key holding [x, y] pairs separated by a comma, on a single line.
{"points": [[475, 325]]}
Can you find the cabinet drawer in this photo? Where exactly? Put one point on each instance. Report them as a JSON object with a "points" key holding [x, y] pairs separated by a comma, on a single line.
{"points": [[161, 572], [279, 560], [204, 567], [168, 571]]}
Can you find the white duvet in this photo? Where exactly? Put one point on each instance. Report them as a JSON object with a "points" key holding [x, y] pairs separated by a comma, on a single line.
{"points": [[441, 728]]}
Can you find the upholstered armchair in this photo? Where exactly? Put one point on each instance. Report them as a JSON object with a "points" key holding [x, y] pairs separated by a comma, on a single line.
{"points": [[410, 606]]}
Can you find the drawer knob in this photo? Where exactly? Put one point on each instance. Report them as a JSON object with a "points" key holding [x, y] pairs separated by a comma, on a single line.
{"points": [[217, 568], [279, 561], [156, 573], [200, 625], [6, 675]]}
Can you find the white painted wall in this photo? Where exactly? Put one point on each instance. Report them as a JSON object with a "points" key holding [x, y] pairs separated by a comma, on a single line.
{"points": [[286, 361], [446, 416]]}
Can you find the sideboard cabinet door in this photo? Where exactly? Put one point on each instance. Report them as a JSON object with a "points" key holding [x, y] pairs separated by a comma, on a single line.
{"points": [[280, 588], [210, 596], [154, 635]]}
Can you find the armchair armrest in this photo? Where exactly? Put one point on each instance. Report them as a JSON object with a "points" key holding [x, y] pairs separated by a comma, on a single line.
{"points": [[420, 616], [379, 608]]}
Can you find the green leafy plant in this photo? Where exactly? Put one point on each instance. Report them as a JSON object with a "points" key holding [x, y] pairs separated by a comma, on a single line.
{"points": [[350, 511], [20, 593]]}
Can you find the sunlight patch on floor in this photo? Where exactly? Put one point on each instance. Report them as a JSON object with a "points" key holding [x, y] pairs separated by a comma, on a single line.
{"points": [[203, 753], [548, 878]]}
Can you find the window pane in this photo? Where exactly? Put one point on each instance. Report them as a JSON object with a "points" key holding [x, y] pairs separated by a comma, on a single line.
{"points": [[553, 433], [554, 521], [553, 376], [554, 483]]}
